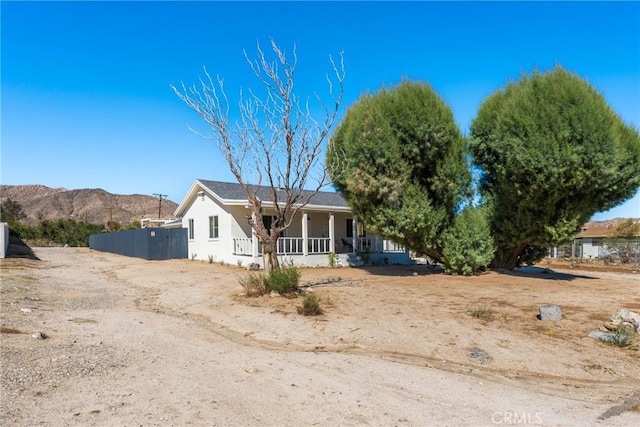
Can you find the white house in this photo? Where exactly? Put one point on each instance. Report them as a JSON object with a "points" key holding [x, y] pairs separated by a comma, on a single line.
{"points": [[216, 215], [594, 242]]}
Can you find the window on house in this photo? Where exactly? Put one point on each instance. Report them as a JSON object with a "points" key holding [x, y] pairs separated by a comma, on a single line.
{"points": [[191, 233], [267, 220], [349, 227], [213, 227]]}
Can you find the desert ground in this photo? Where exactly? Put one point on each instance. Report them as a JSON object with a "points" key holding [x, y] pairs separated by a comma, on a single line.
{"points": [[174, 343]]}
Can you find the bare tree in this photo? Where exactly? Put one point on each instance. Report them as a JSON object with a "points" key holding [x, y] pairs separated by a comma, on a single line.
{"points": [[276, 141]]}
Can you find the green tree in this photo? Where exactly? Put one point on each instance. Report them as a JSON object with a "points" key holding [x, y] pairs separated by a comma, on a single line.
{"points": [[552, 153], [11, 211], [468, 245], [397, 158]]}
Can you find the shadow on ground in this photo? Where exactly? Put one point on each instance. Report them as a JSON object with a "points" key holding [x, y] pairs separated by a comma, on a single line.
{"points": [[542, 273], [402, 270], [19, 249], [425, 270]]}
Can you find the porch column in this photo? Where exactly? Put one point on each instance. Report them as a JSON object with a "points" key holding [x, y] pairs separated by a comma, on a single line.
{"points": [[356, 238], [254, 238], [305, 234], [332, 233]]}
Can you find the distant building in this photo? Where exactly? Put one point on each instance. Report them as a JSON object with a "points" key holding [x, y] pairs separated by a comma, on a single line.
{"points": [[599, 241]]}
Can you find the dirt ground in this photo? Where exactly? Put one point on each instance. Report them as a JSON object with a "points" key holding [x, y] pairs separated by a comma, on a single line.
{"points": [[155, 343]]}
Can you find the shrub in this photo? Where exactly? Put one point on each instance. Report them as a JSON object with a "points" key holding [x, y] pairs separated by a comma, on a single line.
{"points": [[310, 305], [283, 280], [481, 312], [254, 284], [332, 259], [623, 336], [468, 245]]}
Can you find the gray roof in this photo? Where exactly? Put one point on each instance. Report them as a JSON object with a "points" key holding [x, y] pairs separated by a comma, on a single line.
{"points": [[234, 191]]}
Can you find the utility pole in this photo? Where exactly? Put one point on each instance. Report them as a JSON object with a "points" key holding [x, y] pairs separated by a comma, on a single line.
{"points": [[160, 197], [110, 223]]}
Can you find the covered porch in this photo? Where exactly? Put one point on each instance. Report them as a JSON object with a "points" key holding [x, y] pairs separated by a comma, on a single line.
{"points": [[313, 235]]}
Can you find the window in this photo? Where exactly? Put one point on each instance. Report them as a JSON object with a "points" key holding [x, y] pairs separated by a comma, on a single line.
{"points": [[213, 227], [268, 220], [349, 227], [191, 229]]}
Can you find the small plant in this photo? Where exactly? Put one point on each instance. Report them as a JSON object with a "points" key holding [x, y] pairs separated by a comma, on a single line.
{"points": [[193, 256], [481, 312], [365, 255], [210, 259], [254, 284], [310, 305], [284, 280], [239, 262], [332, 259], [622, 337], [221, 262], [598, 368]]}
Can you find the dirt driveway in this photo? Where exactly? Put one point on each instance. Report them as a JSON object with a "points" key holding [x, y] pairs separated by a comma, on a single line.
{"points": [[155, 343]]}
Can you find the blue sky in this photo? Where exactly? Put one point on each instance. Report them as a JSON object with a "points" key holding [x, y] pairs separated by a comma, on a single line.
{"points": [[86, 99]]}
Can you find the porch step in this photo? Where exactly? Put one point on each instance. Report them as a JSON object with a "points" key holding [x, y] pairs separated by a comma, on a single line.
{"points": [[352, 260]]}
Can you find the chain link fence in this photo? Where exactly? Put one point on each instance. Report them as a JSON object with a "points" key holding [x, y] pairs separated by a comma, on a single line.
{"points": [[607, 251]]}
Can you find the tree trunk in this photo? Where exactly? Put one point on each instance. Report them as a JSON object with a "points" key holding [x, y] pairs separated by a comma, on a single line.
{"points": [[434, 254], [508, 259], [269, 257]]}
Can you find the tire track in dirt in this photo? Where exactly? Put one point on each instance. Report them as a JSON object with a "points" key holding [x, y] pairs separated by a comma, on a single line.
{"points": [[146, 299], [550, 385]]}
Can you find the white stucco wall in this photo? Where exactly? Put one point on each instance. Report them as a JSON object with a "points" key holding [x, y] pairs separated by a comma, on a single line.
{"points": [[4, 239], [201, 247], [590, 247]]}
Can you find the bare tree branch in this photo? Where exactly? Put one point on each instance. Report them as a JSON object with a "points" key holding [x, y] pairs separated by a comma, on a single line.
{"points": [[276, 140]]}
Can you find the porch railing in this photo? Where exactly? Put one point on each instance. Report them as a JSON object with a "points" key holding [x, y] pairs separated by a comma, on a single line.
{"points": [[289, 245], [315, 245], [319, 245], [378, 245], [389, 246], [242, 246]]}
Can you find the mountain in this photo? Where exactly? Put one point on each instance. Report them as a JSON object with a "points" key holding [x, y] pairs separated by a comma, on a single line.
{"points": [[95, 206]]}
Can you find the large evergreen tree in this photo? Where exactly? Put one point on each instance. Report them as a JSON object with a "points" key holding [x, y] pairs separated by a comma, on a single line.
{"points": [[552, 153], [397, 157]]}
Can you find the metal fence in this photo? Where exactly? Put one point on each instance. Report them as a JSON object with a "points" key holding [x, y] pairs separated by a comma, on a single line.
{"points": [[146, 243], [622, 251]]}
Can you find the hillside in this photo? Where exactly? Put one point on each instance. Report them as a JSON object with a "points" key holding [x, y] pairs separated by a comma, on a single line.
{"points": [[95, 206]]}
